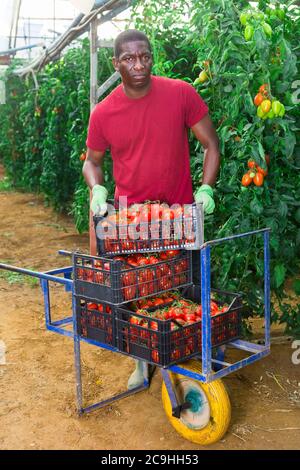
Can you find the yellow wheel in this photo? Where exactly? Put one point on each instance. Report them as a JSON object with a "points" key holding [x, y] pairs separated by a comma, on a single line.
{"points": [[208, 418]]}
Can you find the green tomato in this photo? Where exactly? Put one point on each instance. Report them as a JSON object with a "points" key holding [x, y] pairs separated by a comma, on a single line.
{"points": [[267, 28], [203, 77], [282, 111], [260, 112], [197, 81], [270, 114], [249, 31], [244, 17], [276, 107]]}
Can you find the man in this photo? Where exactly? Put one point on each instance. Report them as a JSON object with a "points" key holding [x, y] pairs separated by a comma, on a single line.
{"points": [[144, 123]]}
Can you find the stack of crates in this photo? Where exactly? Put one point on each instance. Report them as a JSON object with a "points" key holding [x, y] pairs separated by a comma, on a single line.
{"points": [[106, 287]]}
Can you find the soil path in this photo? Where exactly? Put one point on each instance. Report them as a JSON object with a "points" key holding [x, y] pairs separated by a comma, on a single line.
{"points": [[37, 383]]}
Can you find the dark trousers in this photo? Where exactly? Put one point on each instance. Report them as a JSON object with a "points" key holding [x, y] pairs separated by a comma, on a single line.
{"points": [[196, 267]]}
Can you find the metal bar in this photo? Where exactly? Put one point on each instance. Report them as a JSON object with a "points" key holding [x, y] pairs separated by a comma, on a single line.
{"points": [[205, 302], [237, 365], [221, 373], [63, 321], [107, 84], [77, 358], [93, 64], [65, 253], [187, 373], [267, 288], [60, 331], [45, 289], [29, 272], [103, 403], [246, 346], [232, 237], [222, 363], [65, 270], [169, 387]]}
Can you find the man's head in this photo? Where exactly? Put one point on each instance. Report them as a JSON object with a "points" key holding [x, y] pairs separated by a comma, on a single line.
{"points": [[133, 59]]}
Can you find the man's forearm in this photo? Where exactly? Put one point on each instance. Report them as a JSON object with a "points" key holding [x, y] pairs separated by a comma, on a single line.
{"points": [[211, 165], [92, 174]]}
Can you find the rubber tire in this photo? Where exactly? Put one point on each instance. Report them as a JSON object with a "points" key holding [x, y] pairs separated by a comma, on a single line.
{"points": [[219, 403]]}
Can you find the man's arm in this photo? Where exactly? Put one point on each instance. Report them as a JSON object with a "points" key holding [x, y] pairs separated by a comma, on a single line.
{"points": [[93, 175], [205, 132], [92, 168]]}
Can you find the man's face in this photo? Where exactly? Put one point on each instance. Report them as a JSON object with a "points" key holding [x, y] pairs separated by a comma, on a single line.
{"points": [[134, 64]]}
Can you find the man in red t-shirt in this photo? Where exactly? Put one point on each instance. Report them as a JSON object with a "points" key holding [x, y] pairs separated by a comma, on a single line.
{"points": [[144, 124]]}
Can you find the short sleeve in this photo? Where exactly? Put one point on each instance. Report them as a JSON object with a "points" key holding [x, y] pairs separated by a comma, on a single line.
{"points": [[95, 138], [195, 106]]}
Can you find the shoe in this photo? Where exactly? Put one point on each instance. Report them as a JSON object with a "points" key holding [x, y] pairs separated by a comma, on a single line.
{"points": [[137, 377]]}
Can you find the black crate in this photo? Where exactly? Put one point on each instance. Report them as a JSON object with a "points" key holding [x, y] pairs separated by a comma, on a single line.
{"points": [[116, 282], [166, 342], [183, 232], [96, 321]]}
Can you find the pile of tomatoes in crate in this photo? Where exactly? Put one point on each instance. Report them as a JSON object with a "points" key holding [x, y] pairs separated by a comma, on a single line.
{"points": [[150, 226], [140, 274], [168, 326], [96, 315], [172, 306]]}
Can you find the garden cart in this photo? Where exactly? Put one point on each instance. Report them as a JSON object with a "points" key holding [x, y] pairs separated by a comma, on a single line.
{"points": [[191, 358]]}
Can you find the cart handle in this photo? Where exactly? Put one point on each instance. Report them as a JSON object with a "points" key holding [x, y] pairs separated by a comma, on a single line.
{"points": [[29, 272]]}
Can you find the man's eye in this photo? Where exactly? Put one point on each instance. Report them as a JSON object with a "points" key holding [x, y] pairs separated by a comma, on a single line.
{"points": [[128, 59]]}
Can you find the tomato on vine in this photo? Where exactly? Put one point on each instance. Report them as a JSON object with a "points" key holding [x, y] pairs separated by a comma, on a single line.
{"points": [[258, 99], [246, 180], [266, 106], [258, 179]]}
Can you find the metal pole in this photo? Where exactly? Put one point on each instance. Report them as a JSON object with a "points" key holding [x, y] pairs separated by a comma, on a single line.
{"points": [[93, 63], [206, 321], [267, 287]]}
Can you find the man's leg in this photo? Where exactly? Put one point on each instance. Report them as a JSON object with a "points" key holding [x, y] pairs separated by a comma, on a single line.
{"points": [[196, 267], [137, 377]]}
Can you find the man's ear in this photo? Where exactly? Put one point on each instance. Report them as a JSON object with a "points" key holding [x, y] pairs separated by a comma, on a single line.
{"points": [[115, 64]]}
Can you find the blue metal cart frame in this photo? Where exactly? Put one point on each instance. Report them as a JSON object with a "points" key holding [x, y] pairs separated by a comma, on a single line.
{"points": [[212, 368]]}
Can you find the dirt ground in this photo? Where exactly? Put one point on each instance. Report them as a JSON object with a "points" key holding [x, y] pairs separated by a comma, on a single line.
{"points": [[37, 382]]}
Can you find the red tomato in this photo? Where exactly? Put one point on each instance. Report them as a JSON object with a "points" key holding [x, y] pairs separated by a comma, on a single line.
{"points": [[92, 306], [190, 317], [258, 179], [145, 213], [155, 356]]}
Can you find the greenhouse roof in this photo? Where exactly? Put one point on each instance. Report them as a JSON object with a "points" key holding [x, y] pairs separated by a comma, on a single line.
{"points": [[30, 29]]}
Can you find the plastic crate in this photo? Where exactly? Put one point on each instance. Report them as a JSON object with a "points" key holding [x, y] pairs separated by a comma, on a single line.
{"points": [[185, 232], [165, 342], [96, 321], [116, 282]]}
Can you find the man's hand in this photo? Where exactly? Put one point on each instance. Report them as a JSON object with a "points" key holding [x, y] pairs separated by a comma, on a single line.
{"points": [[98, 203], [205, 195]]}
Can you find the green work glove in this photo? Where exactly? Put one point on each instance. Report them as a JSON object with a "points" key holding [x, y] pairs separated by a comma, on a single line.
{"points": [[98, 203], [206, 196]]}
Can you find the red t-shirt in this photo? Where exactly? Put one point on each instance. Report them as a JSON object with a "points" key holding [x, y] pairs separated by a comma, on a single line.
{"points": [[148, 140]]}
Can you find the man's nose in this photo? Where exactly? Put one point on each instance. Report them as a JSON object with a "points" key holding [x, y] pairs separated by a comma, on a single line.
{"points": [[138, 64]]}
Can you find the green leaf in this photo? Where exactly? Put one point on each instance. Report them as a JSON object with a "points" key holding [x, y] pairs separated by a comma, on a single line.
{"points": [[256, 207], [279, 274], [296, 286]]}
